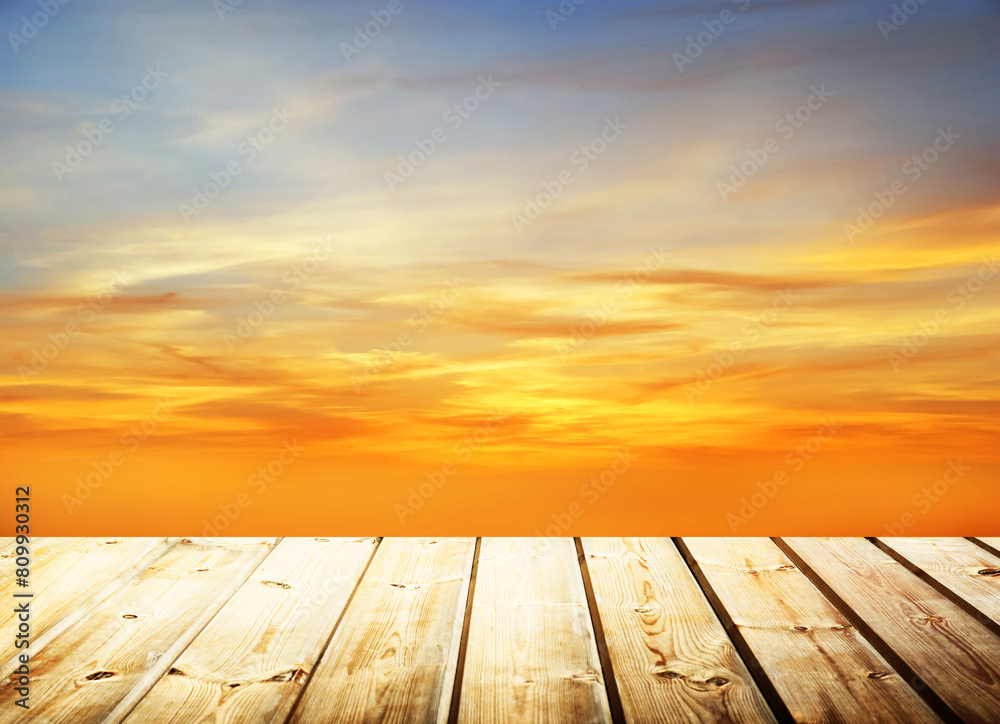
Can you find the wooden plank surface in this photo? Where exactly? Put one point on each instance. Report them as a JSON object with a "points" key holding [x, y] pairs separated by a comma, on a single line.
{"points": [[393, 656], [251, 662], [958, 657], [993, 543], [69, 575], [959, 565], [671, 657], [228, 631], [97, 670], [824, 670], [531, 652], [48, 559]]}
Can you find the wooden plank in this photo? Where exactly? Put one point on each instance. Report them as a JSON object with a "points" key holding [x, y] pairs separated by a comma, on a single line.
{"points": [[959, 565], [251, 662], [954, 654], [531, 652], [820, 665], [71, 575], [97, 670], [992, 543], [45, 553], [393, 655], [671, 656]]}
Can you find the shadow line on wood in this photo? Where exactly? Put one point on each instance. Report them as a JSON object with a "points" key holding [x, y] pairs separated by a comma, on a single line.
{"points": [[934, 583], [322, 653], [610, 681], [757, 672], [915, 682]]}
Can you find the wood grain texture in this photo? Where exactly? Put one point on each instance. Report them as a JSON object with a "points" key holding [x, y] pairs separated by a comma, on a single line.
{"points": [[958, 657], [671, 656], [97, 670], [823, 669], [531, 654], [392, 659], [993, 543], [48, 558], [959, 565], [251, 662], [69, 575]]}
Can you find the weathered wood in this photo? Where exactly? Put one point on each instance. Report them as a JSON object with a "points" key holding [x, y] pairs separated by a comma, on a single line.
{"points": [[957, 656], [959, 565], [97, 670], [251, 662], [69, 576], [531, 654], [671, 657], [393, 655], [823, 669]]}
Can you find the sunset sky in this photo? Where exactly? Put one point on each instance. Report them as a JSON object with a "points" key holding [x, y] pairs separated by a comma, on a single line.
{"points": [[462, 258]]}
